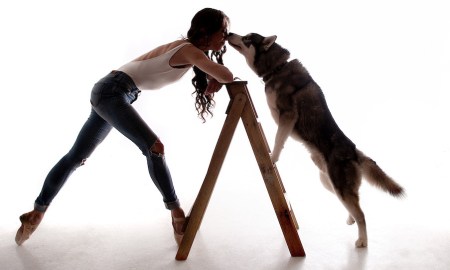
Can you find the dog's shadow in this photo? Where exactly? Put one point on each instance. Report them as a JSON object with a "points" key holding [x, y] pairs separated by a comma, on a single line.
{"points": [[357, 258]]}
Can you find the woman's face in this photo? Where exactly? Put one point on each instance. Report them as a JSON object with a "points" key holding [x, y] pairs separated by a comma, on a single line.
{"points": [[218, 39]]}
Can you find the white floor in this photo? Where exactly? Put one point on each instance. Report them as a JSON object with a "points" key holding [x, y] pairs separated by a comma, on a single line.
{"points": [[119, 222], [383, 67]]}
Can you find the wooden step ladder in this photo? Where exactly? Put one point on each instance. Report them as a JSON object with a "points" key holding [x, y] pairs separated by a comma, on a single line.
{"points": [[241, 107]]}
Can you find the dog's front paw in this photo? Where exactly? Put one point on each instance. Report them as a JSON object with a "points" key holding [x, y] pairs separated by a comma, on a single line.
{"points": [[361, 242], [274, 158]]}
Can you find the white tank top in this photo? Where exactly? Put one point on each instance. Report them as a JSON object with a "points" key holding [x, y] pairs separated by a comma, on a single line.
{"points": [[156, 72]]}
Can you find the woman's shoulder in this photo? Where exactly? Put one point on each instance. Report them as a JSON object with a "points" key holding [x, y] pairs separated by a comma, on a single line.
{"points": [[162, 49], [178, 43]]}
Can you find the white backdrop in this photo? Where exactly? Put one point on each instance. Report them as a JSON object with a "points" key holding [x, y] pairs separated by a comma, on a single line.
{"points": [[383, 65]]}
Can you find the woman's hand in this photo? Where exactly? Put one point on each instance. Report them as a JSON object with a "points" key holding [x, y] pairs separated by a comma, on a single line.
{"points": [[213, 86]]}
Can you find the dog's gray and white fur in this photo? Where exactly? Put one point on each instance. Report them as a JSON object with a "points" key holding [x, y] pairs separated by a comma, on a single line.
{"points": [[299, 108]]}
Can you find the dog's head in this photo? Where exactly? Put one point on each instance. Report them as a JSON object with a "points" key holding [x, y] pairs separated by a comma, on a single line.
{"points": [[262, 54]]}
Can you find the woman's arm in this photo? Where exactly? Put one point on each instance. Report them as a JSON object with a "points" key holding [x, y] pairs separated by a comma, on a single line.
{"points": [[194, 56]]}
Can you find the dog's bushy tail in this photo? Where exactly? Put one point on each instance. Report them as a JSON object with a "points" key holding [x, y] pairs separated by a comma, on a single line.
{"points": [[377, 177]]}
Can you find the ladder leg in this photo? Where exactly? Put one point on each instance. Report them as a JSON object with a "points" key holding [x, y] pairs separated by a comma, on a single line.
{"points": [[198, 209], [294, 219], [270, 175], [274, 187]]}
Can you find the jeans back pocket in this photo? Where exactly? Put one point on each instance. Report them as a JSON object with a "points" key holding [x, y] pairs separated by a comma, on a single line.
{"points": [[96, 93]]}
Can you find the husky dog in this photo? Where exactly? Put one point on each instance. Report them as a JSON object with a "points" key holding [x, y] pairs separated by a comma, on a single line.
{"points": [[298, 106]]}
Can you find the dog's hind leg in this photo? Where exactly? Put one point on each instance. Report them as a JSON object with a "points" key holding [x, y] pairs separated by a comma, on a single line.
{"points": [[325, 179], [346, 180], [319, 161], [321, 164], [351, 203], [326, 182]]}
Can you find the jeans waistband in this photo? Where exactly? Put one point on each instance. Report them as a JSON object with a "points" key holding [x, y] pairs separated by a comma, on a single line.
{"points": [[124, 80]]}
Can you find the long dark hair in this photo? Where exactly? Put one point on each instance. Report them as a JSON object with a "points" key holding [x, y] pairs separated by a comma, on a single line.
{"points": [[205, 23]]}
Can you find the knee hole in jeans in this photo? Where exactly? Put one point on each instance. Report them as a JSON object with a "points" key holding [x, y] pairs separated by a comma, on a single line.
{"points": [[157, 148]]}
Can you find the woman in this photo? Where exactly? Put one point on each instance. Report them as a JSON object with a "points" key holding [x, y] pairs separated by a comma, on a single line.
{"points": [[111, 100]]}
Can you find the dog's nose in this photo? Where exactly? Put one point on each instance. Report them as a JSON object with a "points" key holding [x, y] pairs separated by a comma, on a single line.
{"points": [[230, 34]]}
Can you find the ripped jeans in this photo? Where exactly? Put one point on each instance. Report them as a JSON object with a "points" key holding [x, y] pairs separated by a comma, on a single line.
{"points": [[111, 100]]}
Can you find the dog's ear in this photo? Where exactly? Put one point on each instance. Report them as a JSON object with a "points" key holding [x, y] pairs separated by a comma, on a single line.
{"points": [[268, 41]]}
